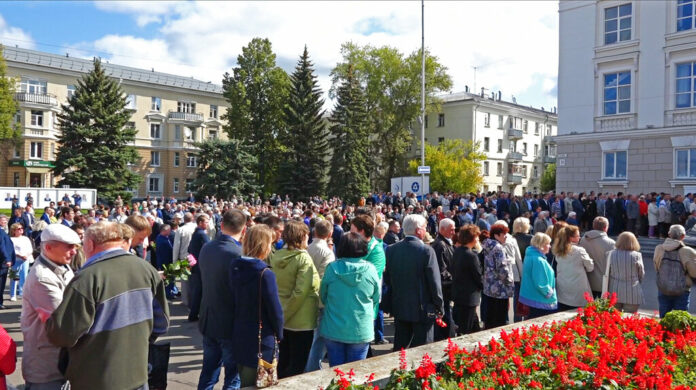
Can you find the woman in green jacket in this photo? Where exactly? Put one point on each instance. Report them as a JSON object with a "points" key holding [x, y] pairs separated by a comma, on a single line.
{"points": [[350, 293], [298, 290]]}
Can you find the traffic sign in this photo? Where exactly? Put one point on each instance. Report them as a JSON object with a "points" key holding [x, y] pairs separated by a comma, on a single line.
{"points": [[423, 169]]}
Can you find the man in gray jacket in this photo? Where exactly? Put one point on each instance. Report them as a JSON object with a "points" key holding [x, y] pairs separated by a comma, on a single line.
{"points": [[597, 244], [632, 214]]}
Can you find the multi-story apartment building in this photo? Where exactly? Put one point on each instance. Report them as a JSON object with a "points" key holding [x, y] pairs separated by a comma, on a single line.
{"points": [[627, 96], [515, 138], [170, 113]]}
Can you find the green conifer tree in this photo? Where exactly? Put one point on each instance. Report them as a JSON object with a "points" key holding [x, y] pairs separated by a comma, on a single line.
{"points": [[349, 144], [225, 168], [303, 169], [94, 150]]}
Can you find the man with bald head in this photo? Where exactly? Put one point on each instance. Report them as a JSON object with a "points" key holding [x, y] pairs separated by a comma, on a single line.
{"points": [[444, 249]]}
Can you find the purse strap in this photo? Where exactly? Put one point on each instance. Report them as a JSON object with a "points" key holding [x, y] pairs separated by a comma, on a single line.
{"points": [[260, 321]]}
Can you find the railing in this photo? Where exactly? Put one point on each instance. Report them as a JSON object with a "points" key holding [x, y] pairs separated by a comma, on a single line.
{"points": [[185, 116], [515, 155], [36, 98], [514, 133], [514, 178], [549, 159], [615, 122], [682, 117]]}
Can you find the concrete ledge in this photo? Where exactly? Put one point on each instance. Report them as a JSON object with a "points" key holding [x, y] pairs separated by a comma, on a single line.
{"points": [[382, 365]]}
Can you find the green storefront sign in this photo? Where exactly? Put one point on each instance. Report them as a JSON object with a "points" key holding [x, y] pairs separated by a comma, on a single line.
{"points": [[32, 163]]}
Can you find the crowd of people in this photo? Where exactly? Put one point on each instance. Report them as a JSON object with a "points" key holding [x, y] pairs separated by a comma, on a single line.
{"points": [[308, 280]]}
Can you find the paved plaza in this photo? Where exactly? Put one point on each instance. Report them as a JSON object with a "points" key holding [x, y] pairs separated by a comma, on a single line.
{"points": [[187, 354]]}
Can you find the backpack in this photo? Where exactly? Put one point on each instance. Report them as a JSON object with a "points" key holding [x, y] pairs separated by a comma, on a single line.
{"points": [[671, 277]]}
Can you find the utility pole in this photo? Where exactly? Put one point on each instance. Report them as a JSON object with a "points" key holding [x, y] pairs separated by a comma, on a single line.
{"points": [[423, 95]]}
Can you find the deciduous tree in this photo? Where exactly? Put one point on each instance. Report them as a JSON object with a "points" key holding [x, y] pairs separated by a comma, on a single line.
{"points": [[548, 178], [455, 165], [10, 134]]}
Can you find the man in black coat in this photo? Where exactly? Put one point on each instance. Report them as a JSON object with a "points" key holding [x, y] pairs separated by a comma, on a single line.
{"points": [[444, 249], [217, 311], [198, 239], [392, 236], [413, 280]]}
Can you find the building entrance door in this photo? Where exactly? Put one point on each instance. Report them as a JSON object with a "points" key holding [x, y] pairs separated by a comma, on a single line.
{"points": [[35, 180]]}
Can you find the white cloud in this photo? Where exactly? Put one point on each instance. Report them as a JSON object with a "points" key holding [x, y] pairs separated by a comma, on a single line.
{"points": [[513, 44], [14, 36]]}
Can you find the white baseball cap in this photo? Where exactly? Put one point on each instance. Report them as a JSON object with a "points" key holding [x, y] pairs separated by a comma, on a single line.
{"points": [[60, 233]]}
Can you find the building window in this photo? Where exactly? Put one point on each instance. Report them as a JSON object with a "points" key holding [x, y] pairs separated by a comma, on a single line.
{"points": [[499, 170], [617, 24], [15, 179], [536, 171], [154, 159], [500, 146], [213, 133], [440, 120], [486, 144], [686, 163], [685, 15], [130, 125], [524, 148], [536, 128], [37, 118], [155, 131], [189, 133], [156, 104], [513, 146], [685, 85], [615, 165], [177, 132], [500, 121], [153, 184], [71, 91], [524, 171], [485, 168], [130, 102], [53, 152], [440, 140], [32, 86], [487, 119], [617, 93], [213, 111], [15, 153], [516, 123], [176, 159], [18, 117], [36, 150], [176, 185], [536, 150], [191, 160], [549, 130], [525, 126], [189, 185], [187, 107]]}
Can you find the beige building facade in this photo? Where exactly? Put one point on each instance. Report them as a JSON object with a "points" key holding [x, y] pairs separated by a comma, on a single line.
{"points": [[515, 138], [170, 113]]}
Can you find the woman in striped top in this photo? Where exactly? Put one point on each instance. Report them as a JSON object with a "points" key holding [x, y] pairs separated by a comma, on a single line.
{"points": [[626, 272]]}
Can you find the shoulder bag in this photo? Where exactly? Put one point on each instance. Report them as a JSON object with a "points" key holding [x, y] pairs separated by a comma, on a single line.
{"points": [[266, 373]]}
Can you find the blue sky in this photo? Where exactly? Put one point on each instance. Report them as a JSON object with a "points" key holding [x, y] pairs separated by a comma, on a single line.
{"points": [[513, 44]]}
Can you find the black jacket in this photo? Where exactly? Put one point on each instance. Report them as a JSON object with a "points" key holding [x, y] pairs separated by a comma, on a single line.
{"points": [[391, 238], [444, 251], [413, 280], [467, 281], [217, 309]]}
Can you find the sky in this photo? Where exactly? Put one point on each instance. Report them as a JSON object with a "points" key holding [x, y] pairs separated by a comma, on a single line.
{"points": [[513, 45]]}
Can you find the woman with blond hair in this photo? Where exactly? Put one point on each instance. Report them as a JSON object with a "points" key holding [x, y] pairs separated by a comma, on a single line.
{"points": [[255, 298], [25, 256], [538, 289], [626, 271], [573, 264]]}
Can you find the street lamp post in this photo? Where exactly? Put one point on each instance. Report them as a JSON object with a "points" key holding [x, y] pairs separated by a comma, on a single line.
{"points": [[422, 121]]}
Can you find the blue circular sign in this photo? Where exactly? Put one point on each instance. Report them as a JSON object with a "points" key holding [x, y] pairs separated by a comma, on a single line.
{"points": [[415, 186]]}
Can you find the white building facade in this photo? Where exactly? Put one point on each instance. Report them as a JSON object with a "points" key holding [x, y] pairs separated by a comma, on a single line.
{"points": [[627, 96], [516, 139]]}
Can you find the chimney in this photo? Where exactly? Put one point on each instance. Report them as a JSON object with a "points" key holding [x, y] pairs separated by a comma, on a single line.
{"points": [[500, 96], [483, 91], [466, 88]]}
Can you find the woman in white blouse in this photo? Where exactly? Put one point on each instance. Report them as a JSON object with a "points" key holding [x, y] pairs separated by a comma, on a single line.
{"points": [[24, 251], [573, 265]]}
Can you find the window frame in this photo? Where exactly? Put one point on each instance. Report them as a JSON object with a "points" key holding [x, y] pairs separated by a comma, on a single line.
{"points": [[486, 144], [156, 129], [71, 91], [157, 179], [36, 150], [691, 154], [618, 19], [37, 118], [441, 120], [691, 77], [155, 158], [486, 167], [156, 104], [177, 159], [616, 87], [213, 111], [131, 101], [487, 120], [175, 185], [191, 160], [499, 169], [615, 165], [690, 17]]}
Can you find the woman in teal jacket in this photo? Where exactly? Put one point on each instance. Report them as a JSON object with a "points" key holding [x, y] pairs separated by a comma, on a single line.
{"points": [[538, 290], [350, 293]]}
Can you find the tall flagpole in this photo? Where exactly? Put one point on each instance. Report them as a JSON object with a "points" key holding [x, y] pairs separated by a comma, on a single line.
{"points": [[423, 96]]}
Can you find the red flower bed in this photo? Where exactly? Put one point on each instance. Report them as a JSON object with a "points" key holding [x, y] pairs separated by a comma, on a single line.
{"points": [[599, 348]]}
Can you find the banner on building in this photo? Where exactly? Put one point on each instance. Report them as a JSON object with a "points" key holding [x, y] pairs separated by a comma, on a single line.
{"points": [[415, 184]]}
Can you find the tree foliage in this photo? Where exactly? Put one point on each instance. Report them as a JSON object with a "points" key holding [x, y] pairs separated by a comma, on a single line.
{"points": [[225, 168], [256, 92], [94, 142], [392, 84], [548, 178], [10, 133], [302, 171], [455, 165], [349, 143]]}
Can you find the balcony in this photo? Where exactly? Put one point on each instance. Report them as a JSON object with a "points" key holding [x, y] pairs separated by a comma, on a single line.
{"points": [[515, 134], [517, 156], [680, 117], [514, 178], [549, 159], [40, 99], [194, 117], [615, 122]]}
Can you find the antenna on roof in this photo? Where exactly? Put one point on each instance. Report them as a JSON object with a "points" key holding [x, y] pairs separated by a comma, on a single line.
{"points": [[67, 55]]}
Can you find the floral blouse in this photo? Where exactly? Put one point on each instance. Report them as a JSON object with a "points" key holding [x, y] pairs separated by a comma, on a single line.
{"points": [[498, 279]]}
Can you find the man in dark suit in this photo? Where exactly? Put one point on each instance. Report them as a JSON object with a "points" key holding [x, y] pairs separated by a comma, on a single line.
{"points": [[392, 236], [198, 239], [216, 305], [412, 277], [444, 249], [28, 219]]}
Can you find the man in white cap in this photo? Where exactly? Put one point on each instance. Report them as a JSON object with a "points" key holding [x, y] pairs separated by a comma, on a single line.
{"points": [[43, 292]]}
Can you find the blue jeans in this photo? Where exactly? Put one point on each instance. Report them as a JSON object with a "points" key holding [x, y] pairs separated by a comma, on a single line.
{"points": [[317, 353], [216, 353], [22, 267], [340, 353], [379, 326], [668, 303]]}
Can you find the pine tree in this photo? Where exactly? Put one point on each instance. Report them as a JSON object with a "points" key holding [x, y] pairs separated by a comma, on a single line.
{"points": [[302, 172], [349, 144], [225, 168], [10, 135], [94, 148]]}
